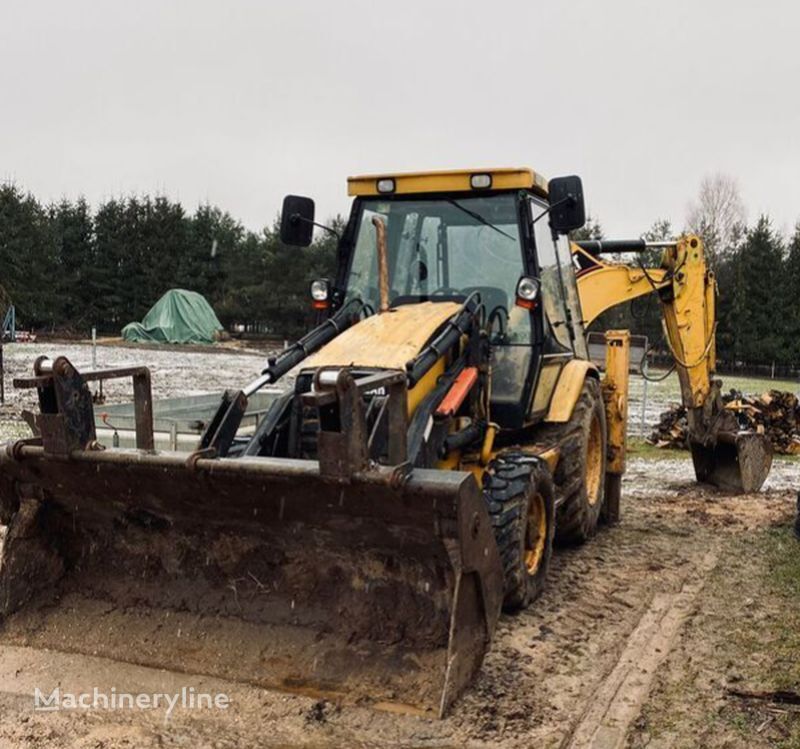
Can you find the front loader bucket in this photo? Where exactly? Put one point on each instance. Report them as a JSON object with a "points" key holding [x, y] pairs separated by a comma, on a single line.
{"points": [[381, 590], [738, 462]]}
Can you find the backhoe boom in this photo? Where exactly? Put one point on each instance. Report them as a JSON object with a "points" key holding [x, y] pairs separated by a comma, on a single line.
{"points": [[687, 291]]}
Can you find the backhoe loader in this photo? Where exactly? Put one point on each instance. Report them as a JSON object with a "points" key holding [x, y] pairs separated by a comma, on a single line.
{"points": [[441, 429]]}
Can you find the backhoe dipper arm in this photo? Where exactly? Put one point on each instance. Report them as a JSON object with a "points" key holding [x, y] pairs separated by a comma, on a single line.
{"points": [[687, 291]]}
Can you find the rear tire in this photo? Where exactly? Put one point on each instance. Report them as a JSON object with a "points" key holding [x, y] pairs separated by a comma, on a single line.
{"points": [[520, 498], [581, 472]]}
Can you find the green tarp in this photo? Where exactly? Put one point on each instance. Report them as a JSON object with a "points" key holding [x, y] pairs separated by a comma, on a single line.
{"points": [[180, 316]]}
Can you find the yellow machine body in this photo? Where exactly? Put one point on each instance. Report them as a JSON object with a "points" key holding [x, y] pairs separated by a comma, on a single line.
{"points": [[387, 341], [689, 312], [568, 389]]}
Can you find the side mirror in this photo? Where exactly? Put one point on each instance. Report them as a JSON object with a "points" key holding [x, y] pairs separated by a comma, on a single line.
{"points": [[297, 221], [567, 211]]}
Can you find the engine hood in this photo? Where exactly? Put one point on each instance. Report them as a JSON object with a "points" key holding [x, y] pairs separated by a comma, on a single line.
{"points": [[386, 341]]}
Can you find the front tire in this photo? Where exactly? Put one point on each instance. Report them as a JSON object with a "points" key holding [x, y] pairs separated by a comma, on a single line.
{"points": [[581, 472], [520, 498]]}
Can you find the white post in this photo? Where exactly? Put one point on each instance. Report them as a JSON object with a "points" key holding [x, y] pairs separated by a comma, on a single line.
{"points": [[642, 428], [94, 347]]}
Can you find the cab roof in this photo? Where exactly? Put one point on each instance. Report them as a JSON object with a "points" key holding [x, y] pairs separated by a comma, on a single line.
{"points": [[453, 180]]}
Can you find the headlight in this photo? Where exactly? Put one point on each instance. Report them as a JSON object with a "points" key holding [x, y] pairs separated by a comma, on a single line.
{"points": [[480, 181], [527, 292], [320, 293], [320, 290], [385, 185]]}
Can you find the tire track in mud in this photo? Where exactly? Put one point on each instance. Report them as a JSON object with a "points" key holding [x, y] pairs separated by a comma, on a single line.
{"points": [[548, 663], [619, 699]]}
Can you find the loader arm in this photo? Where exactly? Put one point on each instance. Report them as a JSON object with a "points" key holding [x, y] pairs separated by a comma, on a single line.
{"points": [[687, 291]]}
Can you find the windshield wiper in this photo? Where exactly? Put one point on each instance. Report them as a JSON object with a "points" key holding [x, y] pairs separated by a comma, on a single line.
{"points": [[480, 219]]}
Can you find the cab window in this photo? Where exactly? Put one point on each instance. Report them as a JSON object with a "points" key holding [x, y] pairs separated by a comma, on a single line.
{"points": [[553, 271], [441, 247]]}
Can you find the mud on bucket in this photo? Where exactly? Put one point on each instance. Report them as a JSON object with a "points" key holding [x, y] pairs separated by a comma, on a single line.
{"points": [[255, 570], [738, 462]]}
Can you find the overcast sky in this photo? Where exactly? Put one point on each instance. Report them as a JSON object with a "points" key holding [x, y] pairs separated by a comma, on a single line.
{"points": [[237, 102]]}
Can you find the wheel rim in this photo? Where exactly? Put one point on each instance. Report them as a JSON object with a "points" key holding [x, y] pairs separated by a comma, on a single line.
{"points": [[536, 534], [594, 461]]}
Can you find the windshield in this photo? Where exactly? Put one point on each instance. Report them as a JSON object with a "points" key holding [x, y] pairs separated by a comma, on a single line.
{"points": [[443, 247]]}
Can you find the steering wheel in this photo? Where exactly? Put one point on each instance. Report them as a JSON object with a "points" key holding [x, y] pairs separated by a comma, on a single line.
{"points": [[445, 291], [498, 317], [419, 270]]}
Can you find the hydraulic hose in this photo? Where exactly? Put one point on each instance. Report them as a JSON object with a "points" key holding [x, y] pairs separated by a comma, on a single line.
{"points": [[315, 339]]}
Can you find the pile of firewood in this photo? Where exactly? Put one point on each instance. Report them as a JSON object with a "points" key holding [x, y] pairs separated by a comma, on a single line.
{"points": [[672, 429], [775, 413]]}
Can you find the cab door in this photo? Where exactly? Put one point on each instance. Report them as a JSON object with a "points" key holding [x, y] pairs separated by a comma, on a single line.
{"points": [[561, 317]]}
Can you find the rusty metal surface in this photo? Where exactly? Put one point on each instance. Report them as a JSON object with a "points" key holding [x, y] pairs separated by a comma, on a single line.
{"points": [[383, 263], [142, 407], [66, 422], [101, 374], [345, 443]]}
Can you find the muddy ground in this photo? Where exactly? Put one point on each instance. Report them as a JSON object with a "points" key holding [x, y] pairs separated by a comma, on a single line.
{"points": [[638, 641], [671, 629]]}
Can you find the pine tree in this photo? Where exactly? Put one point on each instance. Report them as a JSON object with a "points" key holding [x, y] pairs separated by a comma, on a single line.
{"points": [[106, 275], [215, 238], [791, 299], [165, 230], [72, 226], [761, 334], [28, 258]]}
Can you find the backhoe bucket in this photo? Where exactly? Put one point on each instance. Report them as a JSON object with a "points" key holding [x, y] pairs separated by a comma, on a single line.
{"points": [[380, 585], [738, 462]]}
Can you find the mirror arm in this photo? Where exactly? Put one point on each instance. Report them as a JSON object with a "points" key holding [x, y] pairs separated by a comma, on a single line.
{"points": [[570, 200], [296, 218]]}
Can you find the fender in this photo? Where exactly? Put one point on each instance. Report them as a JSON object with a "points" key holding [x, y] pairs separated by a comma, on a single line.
{"points": [[568, 389]]}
